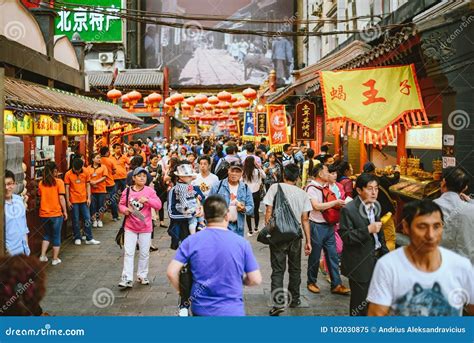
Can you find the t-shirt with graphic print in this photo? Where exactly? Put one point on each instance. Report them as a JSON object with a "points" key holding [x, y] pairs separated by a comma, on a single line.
{"points": [[397, 283]]}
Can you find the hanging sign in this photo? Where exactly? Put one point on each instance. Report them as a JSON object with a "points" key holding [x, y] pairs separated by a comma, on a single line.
{"points": [[278, 126], [46, 126], [99, 127], [262, 126], [14, 126], [76, 127], [249, 126], [305, 121]]}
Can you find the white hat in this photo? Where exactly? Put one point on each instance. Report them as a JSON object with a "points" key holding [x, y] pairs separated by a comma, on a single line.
{"points": [[184, 170]]}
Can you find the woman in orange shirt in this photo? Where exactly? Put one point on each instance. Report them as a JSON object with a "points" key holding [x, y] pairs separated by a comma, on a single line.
{"points": [[52, 211], [98, 175]]}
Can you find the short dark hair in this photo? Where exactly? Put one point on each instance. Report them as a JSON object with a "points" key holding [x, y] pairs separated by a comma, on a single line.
{"points": [[364, 179], [215, 208], [456, 179], [332, 168], [116, 145], [9, 175], [263, 139], [325, 148], [77, 163], [104, 150], [136, 162], [291, 172], [286, 146], [317, 169], [250, 147], [204, 158], [419, 208], [230, 149]]}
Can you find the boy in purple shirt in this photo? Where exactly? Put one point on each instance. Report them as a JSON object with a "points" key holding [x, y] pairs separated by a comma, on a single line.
{"points": [[221, 263]]}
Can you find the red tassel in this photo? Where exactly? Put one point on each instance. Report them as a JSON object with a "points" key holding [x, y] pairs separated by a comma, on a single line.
{"points": [[349, 129], [407, 121], [425, 118], [390, 133], [361, 134], [374, 140], [413, 119], [328, 127], [355, 131], [385, 137], [418, 116], [380, 142]]}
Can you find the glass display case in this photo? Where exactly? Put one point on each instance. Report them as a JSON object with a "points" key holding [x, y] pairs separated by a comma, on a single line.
{"points": [[412, 187]]}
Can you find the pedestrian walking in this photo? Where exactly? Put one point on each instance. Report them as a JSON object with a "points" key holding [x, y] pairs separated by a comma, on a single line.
{"points": [[136, 204], [98, 175], [273, 171], [253, 177], [53, 211], [109, 181], [217, 288], [121, 167]]}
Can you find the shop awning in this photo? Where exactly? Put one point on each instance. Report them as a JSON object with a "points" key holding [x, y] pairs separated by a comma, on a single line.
{"points": [[30, 97]]}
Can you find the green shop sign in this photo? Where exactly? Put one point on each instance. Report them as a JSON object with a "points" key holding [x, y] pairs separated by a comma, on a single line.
{"points": [[93, 27]]}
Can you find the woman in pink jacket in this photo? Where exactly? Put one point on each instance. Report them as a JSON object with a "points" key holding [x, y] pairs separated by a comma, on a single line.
{"points": [[136, 204]]}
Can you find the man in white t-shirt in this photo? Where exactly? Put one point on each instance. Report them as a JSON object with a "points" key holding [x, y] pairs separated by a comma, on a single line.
{"points": [[422, 279], [205, 179]]}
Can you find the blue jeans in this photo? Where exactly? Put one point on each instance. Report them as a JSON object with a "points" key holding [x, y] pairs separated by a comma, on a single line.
{"points": [[97, 205], [52, 229], [112, 200], [120, 184], [84, 211], [322, 238]]}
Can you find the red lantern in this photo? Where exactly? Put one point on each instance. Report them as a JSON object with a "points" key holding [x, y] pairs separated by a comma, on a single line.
{"points": [[249, 93], [154, 98], [236, 105], [146, 101], [125, 98], [114, 94], [223, 105], [200, 99], [218, 111], [169, 102], [185, 107], [234, 111], [134, 96], [208, 107], [232, 99], [244, 103], [190, 101], [213, 100], [224, 96], [177, 98]]}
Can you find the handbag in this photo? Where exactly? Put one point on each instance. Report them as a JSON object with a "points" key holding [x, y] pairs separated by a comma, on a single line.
{"points": [[120, 237], [283, 227]]}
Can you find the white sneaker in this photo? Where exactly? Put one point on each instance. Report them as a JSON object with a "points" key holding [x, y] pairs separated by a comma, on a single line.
{"points": [[183, 312], [94, 223], [143, 281], [56, 262], [43, 259], [77, 242], [84, 238], [100, 224], [124, 283], [92, 242]]}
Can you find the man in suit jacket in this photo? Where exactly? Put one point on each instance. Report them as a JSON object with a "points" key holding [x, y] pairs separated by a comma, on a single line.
{"points": [[364, 241]]}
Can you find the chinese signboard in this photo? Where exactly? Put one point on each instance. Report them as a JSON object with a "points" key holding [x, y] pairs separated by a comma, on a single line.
{"points": [[262, 124], [249, 126], [305, 121], [278, 126], [15, 126], [99, 127], [47, 126], [76, 127], [372, 101], [102, 25]]}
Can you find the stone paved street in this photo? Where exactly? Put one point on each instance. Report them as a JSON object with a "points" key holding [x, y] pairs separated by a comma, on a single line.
{"points": [[85, 283]]}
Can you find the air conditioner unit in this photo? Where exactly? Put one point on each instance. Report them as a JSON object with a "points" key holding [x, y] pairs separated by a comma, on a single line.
{"points": [[106, 57]]}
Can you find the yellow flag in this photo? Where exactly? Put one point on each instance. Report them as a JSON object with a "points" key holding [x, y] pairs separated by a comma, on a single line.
{"points": [[371, 101]]}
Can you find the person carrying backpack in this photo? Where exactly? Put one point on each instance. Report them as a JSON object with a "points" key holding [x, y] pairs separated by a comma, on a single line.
{"points": [[323, 217], [222, 167]]}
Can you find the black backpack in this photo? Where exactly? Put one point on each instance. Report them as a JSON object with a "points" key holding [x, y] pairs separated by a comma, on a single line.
{"points": [[222, 169]]}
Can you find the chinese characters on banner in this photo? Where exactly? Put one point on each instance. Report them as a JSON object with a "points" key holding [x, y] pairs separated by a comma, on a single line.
{"points": [[93, 27], [46, 126], [76, 127], [100, 126], [278, 126], [249, 126], [305, 121], [16, 126], [372, 103], [262, 124], [193, 127]]}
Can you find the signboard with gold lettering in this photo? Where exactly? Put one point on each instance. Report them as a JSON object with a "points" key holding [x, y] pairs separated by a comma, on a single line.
{"points": [[99, 127], [46, 126], [305, 121], [16, 126], [76, 127], [262, 125]]}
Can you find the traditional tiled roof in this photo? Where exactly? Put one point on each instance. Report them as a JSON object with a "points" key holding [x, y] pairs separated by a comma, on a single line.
{"points": [[30, 97], [139, 78], [102, 79]]}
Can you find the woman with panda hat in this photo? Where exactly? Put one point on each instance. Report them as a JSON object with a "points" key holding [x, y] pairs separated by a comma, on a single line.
{"points": [[136, 204]]}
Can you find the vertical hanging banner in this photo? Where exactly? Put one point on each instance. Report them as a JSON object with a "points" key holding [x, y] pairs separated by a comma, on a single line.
{"points": [[372, 101], [277, 126], [262, 125], [305, 121], [249, 127], [76, 127]]}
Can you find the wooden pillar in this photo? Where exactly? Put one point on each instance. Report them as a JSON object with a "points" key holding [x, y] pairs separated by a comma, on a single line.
{"points": [[401, 145], [363, 155], [60, 148]]}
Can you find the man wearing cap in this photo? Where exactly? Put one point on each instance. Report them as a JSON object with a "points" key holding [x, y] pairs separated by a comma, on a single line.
{"points": [[238, 197]]}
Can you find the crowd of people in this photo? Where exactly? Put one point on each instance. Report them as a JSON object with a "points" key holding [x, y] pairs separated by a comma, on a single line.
{"points": [[213, 191]]}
